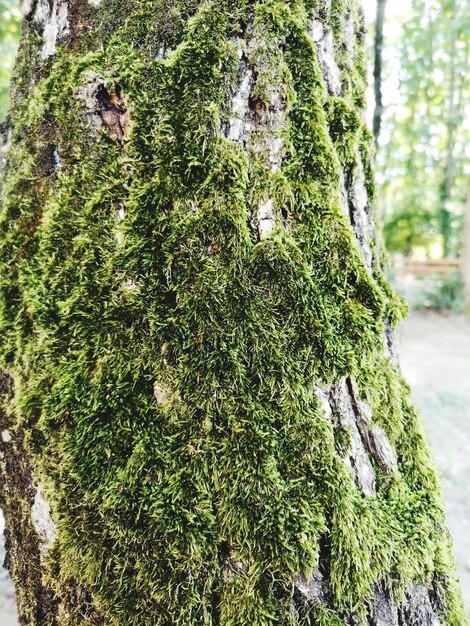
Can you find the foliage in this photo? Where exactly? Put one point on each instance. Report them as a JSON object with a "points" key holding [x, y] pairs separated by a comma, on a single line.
{"points": [[423, 163], [9, 35], [440, 293]]}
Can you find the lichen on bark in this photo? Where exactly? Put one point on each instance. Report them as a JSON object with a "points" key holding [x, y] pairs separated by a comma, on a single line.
{"points": [[199, 332]]}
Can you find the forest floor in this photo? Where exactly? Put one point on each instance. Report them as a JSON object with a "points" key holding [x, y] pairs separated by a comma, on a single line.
{"points": [[435, 357]]}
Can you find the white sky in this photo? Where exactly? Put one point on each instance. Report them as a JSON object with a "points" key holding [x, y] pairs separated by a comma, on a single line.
{"points": [[369, 9], [393, 8]]}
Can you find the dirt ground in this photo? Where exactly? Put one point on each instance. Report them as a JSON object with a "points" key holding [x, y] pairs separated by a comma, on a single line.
{"points": [[435, 356]]}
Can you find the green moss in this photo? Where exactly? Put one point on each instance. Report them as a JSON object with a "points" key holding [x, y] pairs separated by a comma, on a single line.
{"points": [[165, 365], [344, 123]]}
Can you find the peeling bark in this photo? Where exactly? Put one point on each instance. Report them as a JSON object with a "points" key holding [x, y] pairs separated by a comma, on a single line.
{"points": [[258, 124], [326, 55], [341, 402], [51, 19], [105, 106]]}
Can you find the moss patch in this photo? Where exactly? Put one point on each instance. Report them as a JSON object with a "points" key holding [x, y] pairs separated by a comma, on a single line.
{"points": [[165, 360]]}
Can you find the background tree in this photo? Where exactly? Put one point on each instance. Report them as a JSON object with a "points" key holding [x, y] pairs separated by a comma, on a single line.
{"points": [[378, 63], [204, 420], [423, 168], [9, 34]]}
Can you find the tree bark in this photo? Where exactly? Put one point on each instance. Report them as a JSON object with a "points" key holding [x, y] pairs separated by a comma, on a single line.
{"points": [[204, 418], [378, 67]]}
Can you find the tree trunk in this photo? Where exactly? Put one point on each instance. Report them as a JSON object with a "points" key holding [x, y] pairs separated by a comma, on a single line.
{"points": [[378, 67], [453, 115], [204, 419]]}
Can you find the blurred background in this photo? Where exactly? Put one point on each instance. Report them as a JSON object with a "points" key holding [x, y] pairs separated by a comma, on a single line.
{"points": [[420, 115]]}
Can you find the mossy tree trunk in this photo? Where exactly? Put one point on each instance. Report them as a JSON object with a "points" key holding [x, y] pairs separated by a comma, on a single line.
{"points": [[204, 419]]}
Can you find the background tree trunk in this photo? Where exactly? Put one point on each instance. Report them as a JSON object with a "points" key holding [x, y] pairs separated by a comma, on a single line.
{"points": [[378, 67], [454, 114], [204, 419]]}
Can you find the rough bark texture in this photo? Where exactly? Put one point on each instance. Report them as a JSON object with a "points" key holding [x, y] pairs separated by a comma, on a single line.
{"points": [[204, 420]]}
